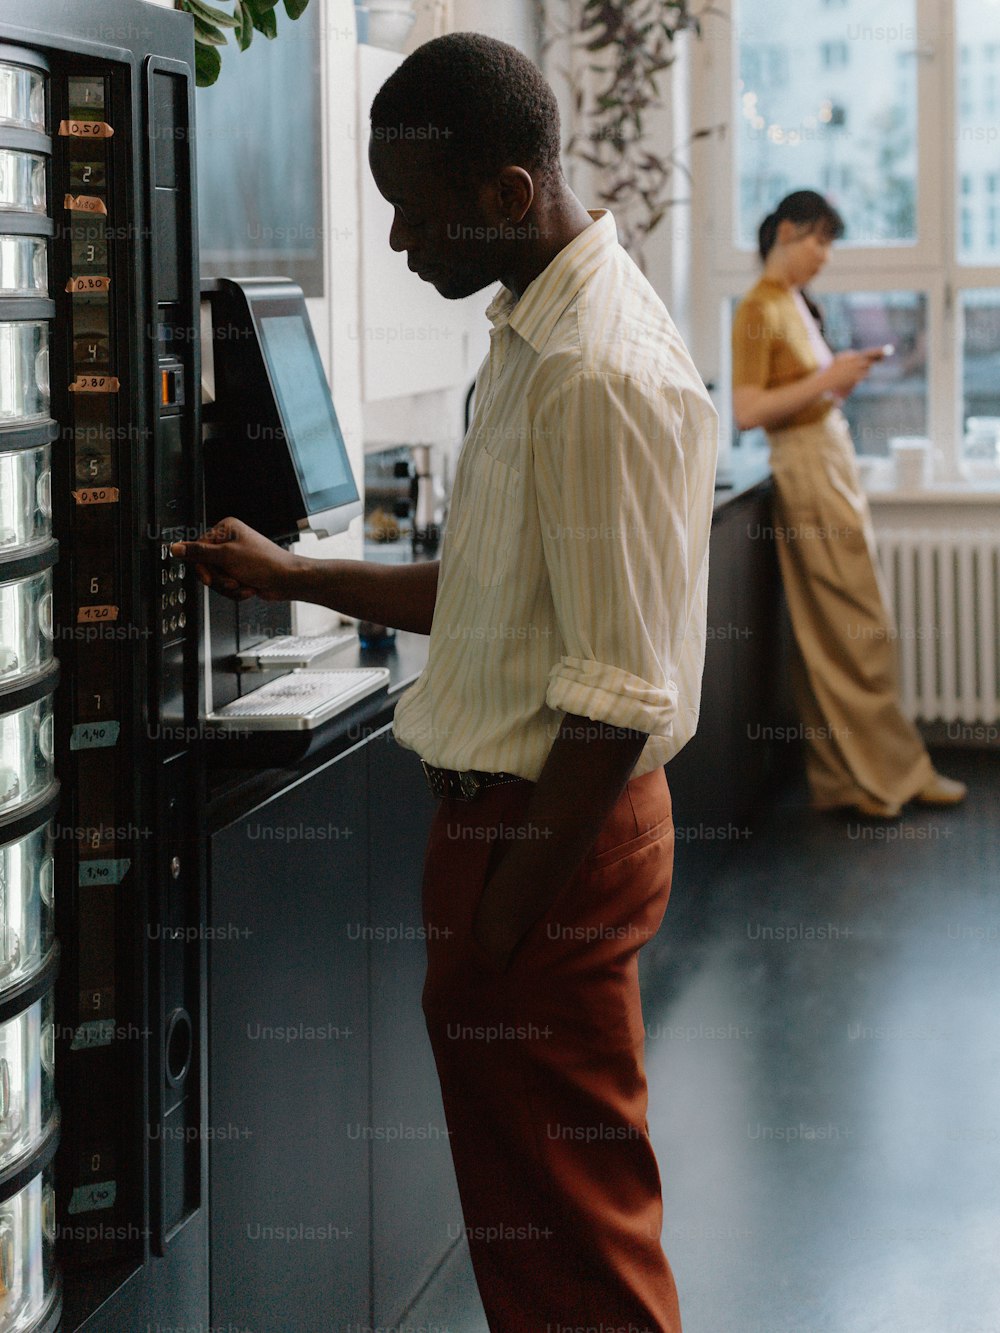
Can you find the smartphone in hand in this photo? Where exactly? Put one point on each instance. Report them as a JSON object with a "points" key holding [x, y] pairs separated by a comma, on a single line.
{"points": [[879, 353]]}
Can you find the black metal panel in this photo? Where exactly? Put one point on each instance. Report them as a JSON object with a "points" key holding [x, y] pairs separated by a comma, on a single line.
{"points": [[414, 1194], [289, 1059], [136, 789]]}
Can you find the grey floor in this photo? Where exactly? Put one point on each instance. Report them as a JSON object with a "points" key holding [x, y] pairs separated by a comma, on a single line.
{"points": [[823, 1055]]}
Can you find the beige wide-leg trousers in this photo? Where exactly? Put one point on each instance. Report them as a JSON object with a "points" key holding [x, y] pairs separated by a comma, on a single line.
{"points": [[844, 673]]}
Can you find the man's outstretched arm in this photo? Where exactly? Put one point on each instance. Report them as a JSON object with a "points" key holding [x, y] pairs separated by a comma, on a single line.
{"points": [[237, 561]]}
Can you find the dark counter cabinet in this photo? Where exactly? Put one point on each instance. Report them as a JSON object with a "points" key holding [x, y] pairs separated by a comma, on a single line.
{"points": [[739, 755], [288, 1053], [415, 1204], [331, 1181]]}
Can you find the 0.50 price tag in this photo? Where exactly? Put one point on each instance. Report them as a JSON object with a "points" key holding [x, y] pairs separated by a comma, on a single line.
{"points": [[85, 129]]}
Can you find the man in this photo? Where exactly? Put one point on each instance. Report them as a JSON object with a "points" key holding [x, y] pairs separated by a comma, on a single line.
{"points": [[567, 627]]}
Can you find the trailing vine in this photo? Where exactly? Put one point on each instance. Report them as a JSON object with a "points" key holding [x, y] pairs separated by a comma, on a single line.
{"points": [[628, 46], [211, 25]]}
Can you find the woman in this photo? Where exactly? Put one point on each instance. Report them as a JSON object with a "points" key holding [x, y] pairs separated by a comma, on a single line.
{"points": [[861, 751]]}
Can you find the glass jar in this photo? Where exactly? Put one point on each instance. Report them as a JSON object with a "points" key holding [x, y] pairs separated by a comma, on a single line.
{"points": [[27, 930]]}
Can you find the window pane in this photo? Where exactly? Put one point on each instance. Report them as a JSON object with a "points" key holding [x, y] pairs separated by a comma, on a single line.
{"points": [[978, 91], [893, 399], [826, 100], [981, 373]]}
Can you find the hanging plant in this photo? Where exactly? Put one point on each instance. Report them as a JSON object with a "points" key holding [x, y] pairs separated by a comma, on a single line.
{"points": [[211, 25], [628, 46]]}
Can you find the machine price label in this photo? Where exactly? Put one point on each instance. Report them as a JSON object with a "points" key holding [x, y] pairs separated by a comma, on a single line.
{"points": [[95, 384], [96, 1032], [89, 614], [110, 871], [96, 495], [94, 735], [86, 284], [88, 1198], [85, 203], [85, 129]]}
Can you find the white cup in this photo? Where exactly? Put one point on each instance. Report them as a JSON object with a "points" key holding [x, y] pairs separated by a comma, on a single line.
{"points": [[911, 456]]}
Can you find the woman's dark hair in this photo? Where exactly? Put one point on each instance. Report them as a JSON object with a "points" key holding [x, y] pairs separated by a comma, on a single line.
{"points": [[806, 208]]}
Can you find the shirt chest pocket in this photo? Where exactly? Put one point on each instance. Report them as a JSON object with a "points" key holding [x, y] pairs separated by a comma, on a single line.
{"points": [[489, 520]]}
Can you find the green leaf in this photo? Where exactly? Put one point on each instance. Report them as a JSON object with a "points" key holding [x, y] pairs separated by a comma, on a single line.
{"points": [[264, 21], [260, 6], [207, 64], [207, 33], [244, 28], [295, 8], [210, 14]]}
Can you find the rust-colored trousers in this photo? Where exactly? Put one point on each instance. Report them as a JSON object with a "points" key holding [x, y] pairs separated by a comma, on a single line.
{"points": [[541, 1070]]}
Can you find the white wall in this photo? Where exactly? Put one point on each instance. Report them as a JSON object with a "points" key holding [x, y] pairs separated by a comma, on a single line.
{"points": [[436, 418]]}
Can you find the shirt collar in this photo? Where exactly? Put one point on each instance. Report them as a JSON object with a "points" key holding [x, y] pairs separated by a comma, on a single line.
{"points": [[534, 315]]}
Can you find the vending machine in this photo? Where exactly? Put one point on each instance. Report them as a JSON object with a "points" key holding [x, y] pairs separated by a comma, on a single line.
{"points": [[102, 955]]}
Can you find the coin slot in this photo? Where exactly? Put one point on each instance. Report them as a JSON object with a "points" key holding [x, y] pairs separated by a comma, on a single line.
{"points": [[179, 1047]]}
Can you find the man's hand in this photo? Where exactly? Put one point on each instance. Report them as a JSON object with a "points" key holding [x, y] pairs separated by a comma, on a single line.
{"points": [[585, 773], [235, 560]]}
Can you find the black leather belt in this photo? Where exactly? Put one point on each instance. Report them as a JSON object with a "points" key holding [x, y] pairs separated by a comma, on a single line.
{"points": [[464, 785]]}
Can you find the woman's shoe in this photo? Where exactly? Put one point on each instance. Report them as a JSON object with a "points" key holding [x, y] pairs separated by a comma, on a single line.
{"points": [[872, 809], [942, 791]]}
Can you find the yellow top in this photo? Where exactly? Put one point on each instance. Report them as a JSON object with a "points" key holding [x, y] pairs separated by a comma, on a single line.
{"points": [[771, 346]]}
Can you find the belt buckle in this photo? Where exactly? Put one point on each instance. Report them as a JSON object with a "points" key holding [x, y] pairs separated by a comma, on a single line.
{"points": [[435, 778], [443, 782]]}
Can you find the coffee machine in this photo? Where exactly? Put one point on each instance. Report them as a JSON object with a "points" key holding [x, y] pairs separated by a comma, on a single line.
{"points": [[102, 883]]}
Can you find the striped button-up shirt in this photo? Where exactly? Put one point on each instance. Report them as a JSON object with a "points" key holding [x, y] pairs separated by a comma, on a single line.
{"points": [[574, 564]]}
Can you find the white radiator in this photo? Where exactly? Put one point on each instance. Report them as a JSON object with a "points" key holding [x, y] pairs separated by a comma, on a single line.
{"points": [[944, 589]]}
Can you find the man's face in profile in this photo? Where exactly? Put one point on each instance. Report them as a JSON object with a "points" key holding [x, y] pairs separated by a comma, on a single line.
{"points": [[450, 230]]}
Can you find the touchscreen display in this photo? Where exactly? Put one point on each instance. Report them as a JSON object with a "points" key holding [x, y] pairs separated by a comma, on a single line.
{"points": [[307, 413]]}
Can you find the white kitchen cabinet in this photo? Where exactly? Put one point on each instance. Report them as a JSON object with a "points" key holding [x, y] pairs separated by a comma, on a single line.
{"points": [[411, 339]]}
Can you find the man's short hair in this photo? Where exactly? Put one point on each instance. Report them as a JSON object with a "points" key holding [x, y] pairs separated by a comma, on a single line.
{"points": [[487, 106]]}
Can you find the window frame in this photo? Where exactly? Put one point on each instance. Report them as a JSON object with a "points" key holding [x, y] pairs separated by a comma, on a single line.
{"points": [[930, 265]]}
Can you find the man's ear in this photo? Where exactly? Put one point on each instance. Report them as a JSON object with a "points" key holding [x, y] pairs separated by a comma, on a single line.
{"points": [[515, 192]]}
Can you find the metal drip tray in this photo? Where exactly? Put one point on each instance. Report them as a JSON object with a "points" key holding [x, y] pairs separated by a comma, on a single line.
{"points": [[293, 650], [300, 700]]}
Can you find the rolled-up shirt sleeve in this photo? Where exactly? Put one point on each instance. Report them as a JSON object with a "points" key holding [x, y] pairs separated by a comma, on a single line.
{"points": [[611, 459]]}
